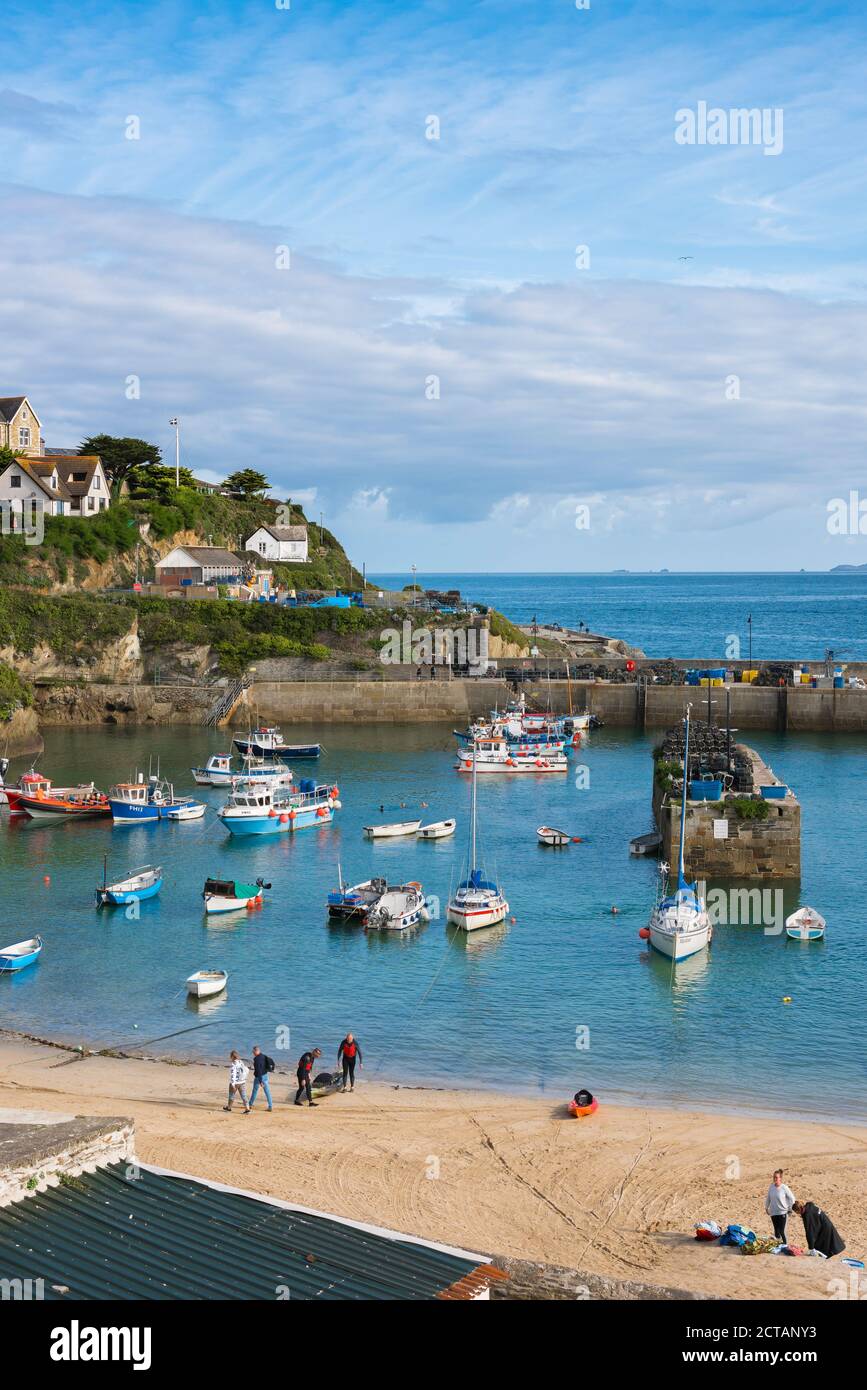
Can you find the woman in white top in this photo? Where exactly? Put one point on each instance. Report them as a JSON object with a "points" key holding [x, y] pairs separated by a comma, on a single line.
{"points": [[779, 1203], [238, 1073]]}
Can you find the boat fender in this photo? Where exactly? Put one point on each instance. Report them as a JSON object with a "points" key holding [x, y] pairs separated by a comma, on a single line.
{"points": [[251, 903], [338, 805], [271, 811], [284, 819], [335, 792], [468, 766], [644, 933], [510, 762], [291, 813]]}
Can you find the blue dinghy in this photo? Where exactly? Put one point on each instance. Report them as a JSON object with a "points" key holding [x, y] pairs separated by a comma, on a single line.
{"points": [[140, 884], [21, 954]]}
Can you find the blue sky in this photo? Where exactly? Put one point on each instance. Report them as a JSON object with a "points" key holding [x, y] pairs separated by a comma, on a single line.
{"points": [[607, 386]]}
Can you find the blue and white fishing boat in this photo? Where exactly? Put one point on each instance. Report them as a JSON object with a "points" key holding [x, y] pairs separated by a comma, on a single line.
{"points": [[268, 742], [21, 954], [133, 803], [355, 902], [679, 925], [219, 771], [275, 810], [138, 885]]}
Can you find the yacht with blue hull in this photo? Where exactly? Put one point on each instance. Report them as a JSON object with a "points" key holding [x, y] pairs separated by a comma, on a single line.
{"points": [[275, 811], [268, 742]]}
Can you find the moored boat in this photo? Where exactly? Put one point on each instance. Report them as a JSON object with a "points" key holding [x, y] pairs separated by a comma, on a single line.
{"points": [[228, 895], [32, 782], [219, 771], [805, 925], [437, 830], [268, 742], [355, 901], [58, 805], [477, 901], [190, 810], [205, 983], [132, 803], [549, 836], [679, 925], [136, 887], [23, 953], [391, 831], [496, 755], [273, 811], [398, 908]]}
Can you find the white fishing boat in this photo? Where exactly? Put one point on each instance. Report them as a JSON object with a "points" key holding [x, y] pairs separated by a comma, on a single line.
{"points": [[549, 836], [192, 810], [437, 830], [805, 925], [497, 755], [388, 832], [398, 908], [204, 983], [679, 925], [477, 901], [220, 771]]}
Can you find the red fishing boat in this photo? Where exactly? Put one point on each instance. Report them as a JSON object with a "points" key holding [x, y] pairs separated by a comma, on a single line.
{"points": [[33, 784], [78, 803]]}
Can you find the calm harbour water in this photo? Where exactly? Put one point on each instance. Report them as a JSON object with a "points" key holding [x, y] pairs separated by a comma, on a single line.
{"points": [[499, 1008], [795, 616]]}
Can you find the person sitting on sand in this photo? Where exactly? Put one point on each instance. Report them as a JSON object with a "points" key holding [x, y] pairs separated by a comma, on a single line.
{"points": [[238, 1073], [778, 1203], [819, 1229], [348, 1053], [305, 1066]]}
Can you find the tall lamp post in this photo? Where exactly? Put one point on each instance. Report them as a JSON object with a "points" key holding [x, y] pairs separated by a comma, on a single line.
{"points": [[176, 424]]}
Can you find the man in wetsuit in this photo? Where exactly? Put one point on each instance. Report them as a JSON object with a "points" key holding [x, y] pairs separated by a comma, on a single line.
{"points": [[349, 1053], [305, 1066]]}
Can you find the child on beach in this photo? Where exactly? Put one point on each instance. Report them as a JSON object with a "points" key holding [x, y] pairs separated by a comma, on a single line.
{"points": [[238, 1073]]}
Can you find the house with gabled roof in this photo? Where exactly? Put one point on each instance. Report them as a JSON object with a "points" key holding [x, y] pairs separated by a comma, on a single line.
{"points": [[286, 543], [67, 485], [20, 427]]}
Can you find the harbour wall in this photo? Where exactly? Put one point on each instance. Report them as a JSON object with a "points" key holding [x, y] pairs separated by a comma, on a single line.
{"points": [[349, 700]]}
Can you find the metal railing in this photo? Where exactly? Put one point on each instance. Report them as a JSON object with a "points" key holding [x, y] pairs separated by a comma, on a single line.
{"points": [[227, 701]]}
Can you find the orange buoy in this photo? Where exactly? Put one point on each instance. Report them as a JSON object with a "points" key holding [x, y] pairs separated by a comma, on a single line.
{"points": [[292, 813], [335, 792], [272, 812], [46, 878], [644, 933], [284, 819]]}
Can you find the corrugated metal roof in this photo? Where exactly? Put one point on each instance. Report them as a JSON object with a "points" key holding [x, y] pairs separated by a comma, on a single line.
{"points": [[104, 1235]]}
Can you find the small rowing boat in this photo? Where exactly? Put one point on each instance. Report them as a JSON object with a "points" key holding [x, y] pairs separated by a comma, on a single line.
{"points": [[21, 954], [805, 925], [189, 810], [388, 832], [549, 836], [227, 895], [437, 830], [140, 884], [205, 983]]}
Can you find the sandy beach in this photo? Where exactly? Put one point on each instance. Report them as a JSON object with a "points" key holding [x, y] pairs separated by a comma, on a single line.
{"points": [[615, 1195]]}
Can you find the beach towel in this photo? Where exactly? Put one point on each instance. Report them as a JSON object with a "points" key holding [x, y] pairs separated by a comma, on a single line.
{"points": [[736, 1235]]}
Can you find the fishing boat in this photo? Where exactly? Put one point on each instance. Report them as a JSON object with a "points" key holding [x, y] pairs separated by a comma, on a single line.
{"points": [[4, 768], [268, 742], [398, 908], [59, 804], [23, 953], [219, 771], [645, 844], [679, 925], [549, 836], [189, 810], [228, 895], [132, 803], [273, 811], [205, 983], [437, 830], [355, 902], [495, 754], [138, 885], [805, 925], [389, 832], [477, 902]]}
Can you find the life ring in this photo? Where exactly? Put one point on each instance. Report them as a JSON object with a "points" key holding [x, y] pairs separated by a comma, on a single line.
{"points": [[579, 1111]]}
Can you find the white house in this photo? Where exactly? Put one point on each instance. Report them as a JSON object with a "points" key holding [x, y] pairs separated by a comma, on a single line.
{"points": [[66, 484], [287, 543]]}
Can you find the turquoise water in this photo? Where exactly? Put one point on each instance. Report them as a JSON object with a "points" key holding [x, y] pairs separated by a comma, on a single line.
{"points": [[684, 615], [500, 1008]]}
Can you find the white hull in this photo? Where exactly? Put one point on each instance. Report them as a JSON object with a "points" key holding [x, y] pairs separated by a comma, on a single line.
{"points": [[549, 836], [682, 942], [218, 904], [472, 918], [204, 984], [389, 832], [516, 765], [193, 812], [438, 831]]}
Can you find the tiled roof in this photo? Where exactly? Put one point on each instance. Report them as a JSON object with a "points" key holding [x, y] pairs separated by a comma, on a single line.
{"points": [[157, 1236], [39, 471], [285, 533], [69, 464], [210, 555], [9, 406]]}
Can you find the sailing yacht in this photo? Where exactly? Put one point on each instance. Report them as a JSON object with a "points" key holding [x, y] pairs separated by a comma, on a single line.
{"points": [[477, 901], [679, 924]]}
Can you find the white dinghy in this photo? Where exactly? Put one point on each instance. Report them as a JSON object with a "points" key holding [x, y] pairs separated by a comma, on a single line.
{"points": [[437, 830], [388, 832], [204, 983], [805, 925]]}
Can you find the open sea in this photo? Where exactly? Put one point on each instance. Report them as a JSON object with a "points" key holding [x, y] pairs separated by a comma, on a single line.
{"points": [[795, 616], [504, 1008]]}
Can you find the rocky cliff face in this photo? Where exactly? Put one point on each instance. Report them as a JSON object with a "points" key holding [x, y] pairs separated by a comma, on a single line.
{"points": [[20, 736], [117, 661]]}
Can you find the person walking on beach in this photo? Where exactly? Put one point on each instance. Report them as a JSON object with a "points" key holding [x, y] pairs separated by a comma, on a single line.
{"points": [[778, 1203], [820, 1232], [348, 1053], [261, 1067], [305, 1066], [238, 1073]]}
